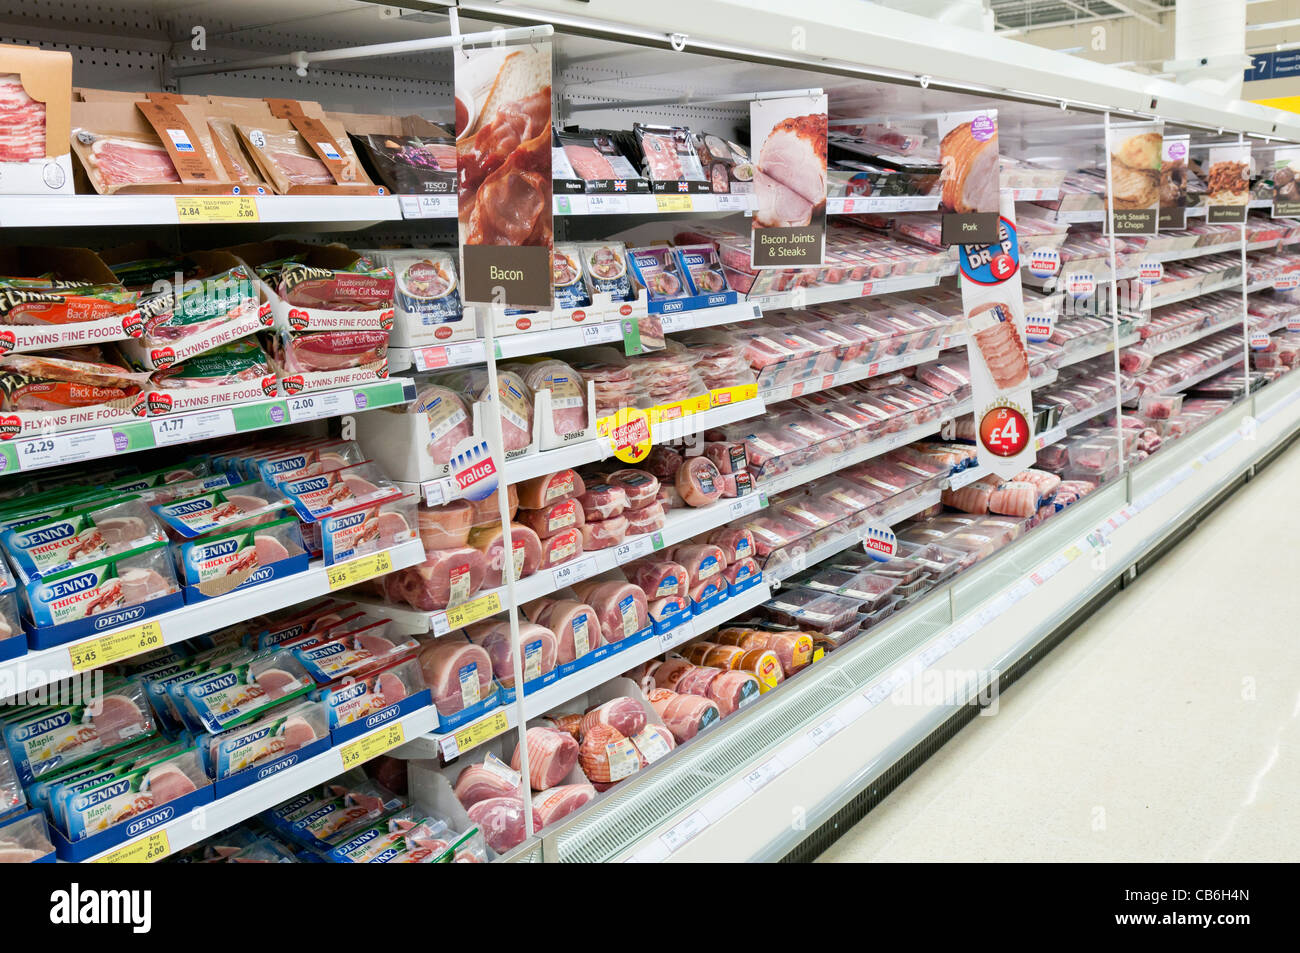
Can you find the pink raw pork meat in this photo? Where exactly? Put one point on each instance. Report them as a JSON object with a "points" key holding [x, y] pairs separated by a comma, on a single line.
{"points": [[696, 681], [551, 756], [478, 783], [727, 457], [449, 420], [698, 481], [336, 350], [602, 534], [568, 393], [451, 668], [740, 570], [670, 671], [736, 542], [296, 733], [702, 562], [576, 625], [446, 577], [502, 821], [659, 579], [971, 499], [640, 487], [1014, 499], [269, 550], [515, 401], [559, 802], [550, 489], [561, 548], [651, 740], [663, 462], [647, 519], [621, 607], [524, 544], [447, 526], [274, 682], [141, 585], [553, 518], [685, 715], [1002, 349], [537, 645], [117, 531], [730, 689], [603, 501], [167, 782], [602, 755], [625, 715], [119, 719]]}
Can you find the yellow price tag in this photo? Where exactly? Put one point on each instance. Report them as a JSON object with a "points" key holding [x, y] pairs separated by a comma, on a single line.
{"points": [[372, 745], [354, 571], [730, 395], [488, 728], [1073, 553], [674, 203], [206, 209], [818, 654], [480, 608], [115, 646], [153, 847]]}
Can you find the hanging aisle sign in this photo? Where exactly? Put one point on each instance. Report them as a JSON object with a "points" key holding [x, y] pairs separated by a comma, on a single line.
{"points": [[1286, 183], [995, 345], [1227, 184], [970, 186], [1173, 182], [789, 150], [1136, 153], [506, 233]]}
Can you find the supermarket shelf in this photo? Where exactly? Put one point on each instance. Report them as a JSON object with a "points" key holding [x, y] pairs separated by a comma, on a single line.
{"points": [[1034, 195], [832, 464], [1166, 346], [680, 525], [1202, 375], [200, 824], [43, 211], [966, 477], [1059, 432], [1223, 285], [865, 204], [129, 436], [663, 203], [850, 539], [437, 356], [428, 206], [452, 744], [1081, 216], [1096, 350], [1184, 254], [848, 375], [830, 733], [43, 666], [849, 290]]}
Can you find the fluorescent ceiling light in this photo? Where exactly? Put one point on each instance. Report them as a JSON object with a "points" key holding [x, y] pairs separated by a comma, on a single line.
{"points": [[1275, 25]]}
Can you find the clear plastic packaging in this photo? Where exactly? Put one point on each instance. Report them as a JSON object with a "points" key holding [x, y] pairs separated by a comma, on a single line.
{"points": [[25, 840], [279, 732]]}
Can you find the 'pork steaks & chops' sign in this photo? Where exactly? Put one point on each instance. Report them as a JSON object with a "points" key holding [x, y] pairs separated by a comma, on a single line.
{"points": [[789, 152]]}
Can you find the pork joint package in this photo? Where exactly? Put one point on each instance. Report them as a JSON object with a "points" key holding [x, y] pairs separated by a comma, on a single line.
{"points": [[315, 497]]}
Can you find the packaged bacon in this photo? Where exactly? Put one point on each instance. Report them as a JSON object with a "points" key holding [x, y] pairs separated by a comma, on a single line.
{"points": [[276, 468], [193, 516], [703, 268], [604, 266], [368, 528], [412, 165], [288, 162], [360, 287], [669, 153], [135, 577], [52, 301], [57, 380], [102, 529], [656, 267], [218, 563], [315, 497], [240, 361], [330, 350]]}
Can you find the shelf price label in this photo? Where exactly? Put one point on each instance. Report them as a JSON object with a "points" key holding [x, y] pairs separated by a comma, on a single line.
{"points": [[471, 736], [761, 776], [147, 850], [674, 203], [575, 572], [56, 449], [326, 403], [444, 355], [209, 209], [751, 503], [115, 646], [825, 731], [635, 549], [676, 837], [607, 204], [469, 612], [354, 571], [190, 427], [371, 746]]}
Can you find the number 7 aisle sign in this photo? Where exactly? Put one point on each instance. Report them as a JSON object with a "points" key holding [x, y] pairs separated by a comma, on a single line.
{"points": [[995, 344]]}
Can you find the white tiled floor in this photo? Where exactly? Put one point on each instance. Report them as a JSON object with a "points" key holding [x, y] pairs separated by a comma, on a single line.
{"points": [[1167, 728]]}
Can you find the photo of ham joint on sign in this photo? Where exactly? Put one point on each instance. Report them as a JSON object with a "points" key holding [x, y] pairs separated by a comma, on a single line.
{"points": [[503, 159], [968, 179], [993, 303], [789, 149]]}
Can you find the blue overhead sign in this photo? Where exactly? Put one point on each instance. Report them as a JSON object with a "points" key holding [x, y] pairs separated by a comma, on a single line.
{"points": [[1279, 64]]}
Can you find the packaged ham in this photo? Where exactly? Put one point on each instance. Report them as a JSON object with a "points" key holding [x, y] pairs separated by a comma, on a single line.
{"points": [[602, 501], [647, 519], [552, 518], [607, 756], [565, 546], [553, 488], [551, 756], [973, 498], [458, 671], [576, 625], [685, 715], [732, 689], [447, 526], [450, 421], [538, 648], [447, 577], [487, 510], [502, 822], [641, 488], [195, 515], [526, 548], [702, 561], [794, 649], [658, 578], [624, 715], [698, 481], [621, 607], [602, 534], [727, 457], [702, 269], [994, 333], [102, 529], [478, 782], [663, 462], [514, 402], [736, 542], [568, 393], [1014, 499]]}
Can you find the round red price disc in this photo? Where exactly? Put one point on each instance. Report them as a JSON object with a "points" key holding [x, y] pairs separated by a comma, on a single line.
{"points": [[1004, 431], [1002, 266]]}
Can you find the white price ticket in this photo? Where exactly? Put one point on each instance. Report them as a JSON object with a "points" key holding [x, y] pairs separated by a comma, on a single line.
{"points": [[184, 428], [326, 403], [59, 448]]}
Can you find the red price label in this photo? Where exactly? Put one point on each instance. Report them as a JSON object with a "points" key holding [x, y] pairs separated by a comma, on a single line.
{"points": [[1003, 266], [1004, 431]]}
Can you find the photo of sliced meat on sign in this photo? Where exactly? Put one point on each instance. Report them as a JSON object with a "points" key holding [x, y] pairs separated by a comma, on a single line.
{"points": [[503, 155], [968, 153], [789, 146]]}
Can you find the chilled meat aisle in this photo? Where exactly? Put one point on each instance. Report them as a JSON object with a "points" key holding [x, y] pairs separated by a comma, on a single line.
{"points": [[743, 501]]}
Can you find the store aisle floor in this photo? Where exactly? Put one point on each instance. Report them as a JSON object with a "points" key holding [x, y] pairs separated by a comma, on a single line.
{"points": [[1166, 728]]}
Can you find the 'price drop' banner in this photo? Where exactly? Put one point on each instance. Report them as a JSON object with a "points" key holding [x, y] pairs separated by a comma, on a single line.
{"points": [[995, 343]]}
